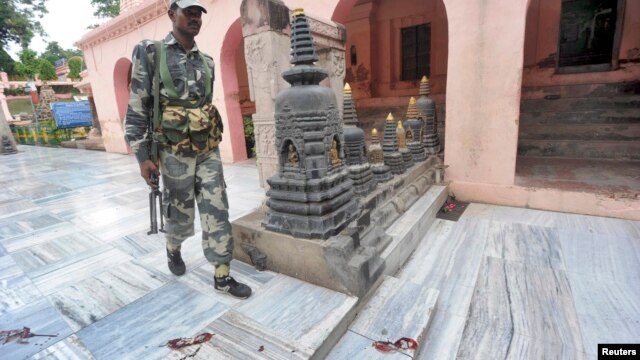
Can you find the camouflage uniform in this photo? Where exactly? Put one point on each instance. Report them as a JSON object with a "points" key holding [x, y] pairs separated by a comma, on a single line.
{"points": [[190, 131]]}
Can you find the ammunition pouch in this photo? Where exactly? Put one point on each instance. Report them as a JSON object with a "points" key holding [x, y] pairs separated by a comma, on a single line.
{"points": [[197, 128]]}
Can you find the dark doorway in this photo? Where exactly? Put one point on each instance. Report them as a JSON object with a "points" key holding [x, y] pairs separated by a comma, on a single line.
{"points": [[588, 33]]}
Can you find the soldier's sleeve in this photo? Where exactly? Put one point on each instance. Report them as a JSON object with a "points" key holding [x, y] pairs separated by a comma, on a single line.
{"points": [[212, 66], [140, 102]]}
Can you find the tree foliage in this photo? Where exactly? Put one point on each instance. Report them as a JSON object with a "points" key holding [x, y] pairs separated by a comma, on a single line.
{"points": [[7, 64], [75, 66], [106, 8], [29, 64], [19, 21], [47, 71]]}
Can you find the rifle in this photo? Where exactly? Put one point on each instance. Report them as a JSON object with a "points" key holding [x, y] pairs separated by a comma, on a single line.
{"points": [[153, 148]]}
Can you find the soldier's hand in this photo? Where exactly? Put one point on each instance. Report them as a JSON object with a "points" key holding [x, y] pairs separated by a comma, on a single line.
{"points": [[147, 168]]}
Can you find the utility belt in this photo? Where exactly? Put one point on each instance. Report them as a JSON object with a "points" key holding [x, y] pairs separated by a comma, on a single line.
{"points": [[186, 127]]}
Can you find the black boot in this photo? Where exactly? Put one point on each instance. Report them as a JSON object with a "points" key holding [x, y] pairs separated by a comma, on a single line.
{"points": [[176, 265], [229, 285]]}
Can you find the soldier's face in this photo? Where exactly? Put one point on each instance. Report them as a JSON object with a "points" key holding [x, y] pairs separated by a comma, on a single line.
{"points": [[187, 21]]}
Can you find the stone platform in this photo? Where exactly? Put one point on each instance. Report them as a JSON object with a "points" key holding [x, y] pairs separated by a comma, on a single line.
{"points": [[382, 237]]}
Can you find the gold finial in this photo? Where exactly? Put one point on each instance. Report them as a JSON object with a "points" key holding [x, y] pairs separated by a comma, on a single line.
{"points": [[347, 88], [424, 79], [390, 118], [400, 125], [412, 101], [374, 132], [298, 11]]}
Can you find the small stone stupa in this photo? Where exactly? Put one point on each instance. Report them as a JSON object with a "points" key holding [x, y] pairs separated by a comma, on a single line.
{"points": [[427, 112], [7, 146], [355, 151], [392, 156], [312, 195], [413, 128], [407, 158], [381, 172]]}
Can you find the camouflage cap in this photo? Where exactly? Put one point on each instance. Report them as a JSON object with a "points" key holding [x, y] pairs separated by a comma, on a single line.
{"points": [[182, 4]]}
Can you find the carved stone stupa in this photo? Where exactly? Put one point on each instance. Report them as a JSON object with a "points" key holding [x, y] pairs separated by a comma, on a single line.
{"points": [[312, 195], [381, 172], [7, 146], [392, 156], [427, 112], [355, 151], [407, 158], [413, 128]]}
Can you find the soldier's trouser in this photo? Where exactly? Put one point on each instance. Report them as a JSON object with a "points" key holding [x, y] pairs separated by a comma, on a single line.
{"points": [[197, 179]]}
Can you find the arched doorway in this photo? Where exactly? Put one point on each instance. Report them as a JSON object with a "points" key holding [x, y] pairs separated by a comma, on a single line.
{"points": [[230, 67], [390, 45]]}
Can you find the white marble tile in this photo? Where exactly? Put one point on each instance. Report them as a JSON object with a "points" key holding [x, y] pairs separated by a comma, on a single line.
{"points": [[355, 346], [70, 348], [92, 299], [514, 298], [19, 206], [530, 244], [608, 311], [297, 310], [398, 309], [51, 278], [443, 337], [604, 257], [448, 259], [42, 319], [37, 237], [23, 224], [172, 311], [17, 290], [140, 244]]}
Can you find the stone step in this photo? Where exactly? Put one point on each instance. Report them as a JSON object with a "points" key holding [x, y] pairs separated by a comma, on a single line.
{"points": [[572, 104], [286, 318], [581, 132], [397, 309], [581, 90], [409, 229], [595, 149], [612, 116]]}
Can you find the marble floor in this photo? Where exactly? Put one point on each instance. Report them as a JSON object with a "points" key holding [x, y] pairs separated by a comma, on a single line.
{"points": [[75, 262]]}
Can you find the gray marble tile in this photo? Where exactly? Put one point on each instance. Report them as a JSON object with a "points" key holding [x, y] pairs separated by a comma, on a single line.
{"points": [[37, 237], [8, 196], [500, 344], [238, 337], [140, 244], [528, 300], [355, 346], [92, 299], [59, 249], [172, 311], [297, 310], [448, 259], [3, 252], [604, 257], [443, 337], [22, 224], [54, 277], [42, 319], [525, 243], [16, 289], [19, 206], [70, 348], [608, 311], [397, 309]]}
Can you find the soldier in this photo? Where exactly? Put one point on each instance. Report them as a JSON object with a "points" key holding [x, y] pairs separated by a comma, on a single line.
{"points": [[187, 137]]}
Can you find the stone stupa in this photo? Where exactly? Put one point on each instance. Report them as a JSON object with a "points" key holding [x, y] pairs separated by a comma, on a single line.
{"points": [[312, 195], [407, 158], [355, 150], [427, 113], [414, 128], [381, 172], [392, 157]]}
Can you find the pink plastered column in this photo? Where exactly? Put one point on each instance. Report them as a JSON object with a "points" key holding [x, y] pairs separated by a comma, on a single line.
{"points": [[486, 41]]}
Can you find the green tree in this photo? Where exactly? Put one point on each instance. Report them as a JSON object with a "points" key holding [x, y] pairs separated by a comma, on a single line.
{"points": [[29, 65], [75, 66], [19, 21], [106, 8], [47, 71], [53, 52], [7, 64]]}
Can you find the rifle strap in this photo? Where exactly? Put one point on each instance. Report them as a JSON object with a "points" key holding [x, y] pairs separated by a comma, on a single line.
{"points": [[156, 85]]}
